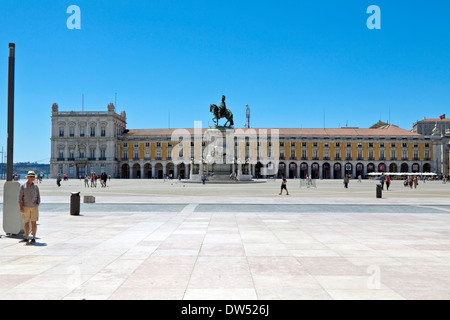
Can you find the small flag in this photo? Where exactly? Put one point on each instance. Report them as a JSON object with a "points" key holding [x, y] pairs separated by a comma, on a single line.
{"points": [[442, 116]]}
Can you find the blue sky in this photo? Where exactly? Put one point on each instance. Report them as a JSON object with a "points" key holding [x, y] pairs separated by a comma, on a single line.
{"points": [[296, 63]]}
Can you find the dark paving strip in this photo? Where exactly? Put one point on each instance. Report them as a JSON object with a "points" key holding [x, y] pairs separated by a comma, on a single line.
{"points": [[110, 207], [323, 208]]}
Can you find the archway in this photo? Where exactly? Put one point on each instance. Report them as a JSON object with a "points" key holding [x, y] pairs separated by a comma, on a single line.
{"points": [[370, 168], [315, 171], [393, 167], [292, 170], [426, 167], [337, 171], [282, 169], [181, 170], [303, 170], [125, 171], [415, 167], [326, 171], [404, 167], [381, 167], [147, 171], [170, 170], [359, 170], [159, 171], [136, 171], [349, 169], [258, 170]]}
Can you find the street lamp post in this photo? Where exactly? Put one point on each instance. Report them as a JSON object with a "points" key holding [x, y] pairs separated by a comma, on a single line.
{"points": [[10, 146]]}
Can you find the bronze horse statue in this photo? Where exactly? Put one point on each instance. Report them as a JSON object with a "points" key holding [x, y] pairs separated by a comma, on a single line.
{"points": [[221, 112]]}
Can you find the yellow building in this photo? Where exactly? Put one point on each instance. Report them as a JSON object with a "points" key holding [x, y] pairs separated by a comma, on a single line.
{"points": [[88, 142]]}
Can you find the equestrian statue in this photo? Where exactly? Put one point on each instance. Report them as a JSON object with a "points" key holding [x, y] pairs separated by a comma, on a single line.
{"points": [[222, 112]]}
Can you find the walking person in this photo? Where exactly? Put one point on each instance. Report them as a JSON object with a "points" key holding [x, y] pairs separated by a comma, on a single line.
{"points": [[382, 180], [388, 182], [283, 185], [86, 181], [29, 200], [346, 181]]}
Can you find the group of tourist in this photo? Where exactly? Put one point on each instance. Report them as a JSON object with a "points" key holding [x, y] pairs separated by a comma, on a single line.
{"points": [[93, 180], [410, 181]]}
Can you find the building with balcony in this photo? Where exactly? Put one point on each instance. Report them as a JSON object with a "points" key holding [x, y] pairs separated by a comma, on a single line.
{"points": [[87, 142]]}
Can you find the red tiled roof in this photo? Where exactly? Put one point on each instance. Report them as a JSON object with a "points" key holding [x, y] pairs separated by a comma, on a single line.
{"points": [[389, 130]]}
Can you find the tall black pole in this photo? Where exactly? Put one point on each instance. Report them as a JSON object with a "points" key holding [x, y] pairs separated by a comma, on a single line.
{"points": [[10, 146]]}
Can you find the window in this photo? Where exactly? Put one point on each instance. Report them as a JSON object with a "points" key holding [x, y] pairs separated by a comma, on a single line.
{"points": [[393, 154], [381, 145], [370, 144], [61, 154], [92, 131], [147, 154], [103, 131], [326, 145], [136, 154], [404, 145], [314, 144], [72, 131], [125, 144], [349, 153], [71, 154], [82, 153], [92, 153], [81, 131], [304, 156], [103, 153], [136, 145], [281, 144], [158, 144], [405, 154], [147, 144], [61, 131], [158, 153], [303, 144], [125, 155], [381, 154], [337, 144], [349, 144], [393, 145]]}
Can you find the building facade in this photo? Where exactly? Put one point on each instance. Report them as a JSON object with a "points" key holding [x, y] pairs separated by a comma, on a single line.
{"points": [[87, 142], [426, 126]]}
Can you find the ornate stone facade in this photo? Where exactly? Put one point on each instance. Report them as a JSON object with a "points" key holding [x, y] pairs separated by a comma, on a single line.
{"points": [[87, 142]]}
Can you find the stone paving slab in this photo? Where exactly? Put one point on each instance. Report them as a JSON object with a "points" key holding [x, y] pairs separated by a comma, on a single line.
{"points": [[208, 249]]}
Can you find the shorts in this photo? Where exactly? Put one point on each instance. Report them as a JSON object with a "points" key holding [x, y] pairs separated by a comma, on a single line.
{"points": [[30, 214], [283, 186]]}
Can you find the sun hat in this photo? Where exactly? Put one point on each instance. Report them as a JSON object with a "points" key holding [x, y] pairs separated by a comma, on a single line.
{"points": [[31, 174]]}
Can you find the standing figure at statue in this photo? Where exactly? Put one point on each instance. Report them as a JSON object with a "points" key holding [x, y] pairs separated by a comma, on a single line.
{"points": [[222, 108], [29, 200]]}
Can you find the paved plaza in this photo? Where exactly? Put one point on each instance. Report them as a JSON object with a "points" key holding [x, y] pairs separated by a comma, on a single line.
{"points": [[150, 239]]}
